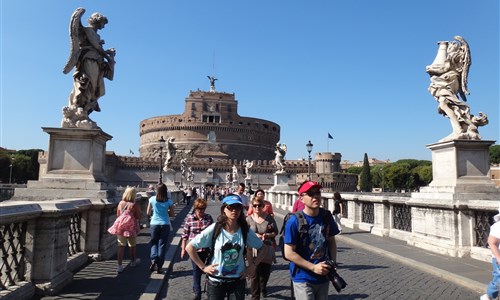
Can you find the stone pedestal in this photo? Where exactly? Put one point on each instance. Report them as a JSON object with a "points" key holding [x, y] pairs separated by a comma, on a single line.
{"points": [[73, 167], [280, 182], [169, 179], [460, 180], [248, 183]]}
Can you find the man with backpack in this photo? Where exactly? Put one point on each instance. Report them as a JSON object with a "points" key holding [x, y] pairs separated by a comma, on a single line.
{"points": [[309, 241]]}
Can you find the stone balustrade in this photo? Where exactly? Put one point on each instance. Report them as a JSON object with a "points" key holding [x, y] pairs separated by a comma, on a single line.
{"points": [[43, 243], [394, 215]]}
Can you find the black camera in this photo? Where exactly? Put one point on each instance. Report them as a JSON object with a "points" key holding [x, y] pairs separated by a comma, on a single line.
{"points": [[337, 281]]}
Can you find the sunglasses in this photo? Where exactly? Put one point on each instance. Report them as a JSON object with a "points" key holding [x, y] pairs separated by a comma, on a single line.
{"points": [[234, 207], [257, 205], [313, 193], [201, 208]]}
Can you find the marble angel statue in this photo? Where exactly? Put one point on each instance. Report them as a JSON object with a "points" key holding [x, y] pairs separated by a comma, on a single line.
{"points": [[248, 165], [449, 73], [171, 149], [280, 157], [92, 64]]}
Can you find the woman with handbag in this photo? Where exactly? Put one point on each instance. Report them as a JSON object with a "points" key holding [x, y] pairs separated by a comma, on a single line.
{"points": [[126, 227], [266, 229], [160, 208]]}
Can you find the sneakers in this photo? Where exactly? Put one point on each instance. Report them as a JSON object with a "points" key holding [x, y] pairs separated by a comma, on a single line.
{"points": [[485, 297], [135, 262], [119, 269]]}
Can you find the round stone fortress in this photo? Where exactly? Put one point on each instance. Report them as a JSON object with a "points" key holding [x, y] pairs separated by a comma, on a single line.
{"points": [[211, 127]]}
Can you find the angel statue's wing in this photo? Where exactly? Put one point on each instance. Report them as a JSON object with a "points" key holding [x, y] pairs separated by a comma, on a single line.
{"points": [[465, 61], [75, 27]]}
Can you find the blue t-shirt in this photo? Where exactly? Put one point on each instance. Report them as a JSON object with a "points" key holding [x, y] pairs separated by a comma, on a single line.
{"points": [[316, 245], [160, 211], [228, 253]]}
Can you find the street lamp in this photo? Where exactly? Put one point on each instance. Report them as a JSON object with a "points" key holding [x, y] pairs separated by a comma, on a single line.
{"points": [[161, 142], [309, 147], [10, 174]]}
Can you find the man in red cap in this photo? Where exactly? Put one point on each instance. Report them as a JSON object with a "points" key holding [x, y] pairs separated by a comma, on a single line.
{"points": [[308, 255]]}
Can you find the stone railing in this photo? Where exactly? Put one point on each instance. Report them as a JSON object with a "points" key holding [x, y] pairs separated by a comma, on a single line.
{"points": [[391, 216], [44, 243]]}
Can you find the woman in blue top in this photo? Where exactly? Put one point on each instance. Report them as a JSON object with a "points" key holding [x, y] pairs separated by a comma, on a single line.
{"points": [[161, 208]]}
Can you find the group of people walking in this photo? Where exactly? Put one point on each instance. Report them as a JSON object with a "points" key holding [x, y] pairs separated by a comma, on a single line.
{"points": [[241, 243], [127, 226]]}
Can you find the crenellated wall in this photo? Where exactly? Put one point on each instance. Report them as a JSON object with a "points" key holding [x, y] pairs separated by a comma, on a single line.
{"points": [[211, 124]]}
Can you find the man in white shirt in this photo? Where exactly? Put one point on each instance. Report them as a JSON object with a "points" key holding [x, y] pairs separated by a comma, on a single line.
{"points": [[241, 192]]}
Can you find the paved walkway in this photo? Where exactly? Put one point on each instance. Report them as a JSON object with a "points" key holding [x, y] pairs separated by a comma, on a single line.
{"points": [[374, 268]]}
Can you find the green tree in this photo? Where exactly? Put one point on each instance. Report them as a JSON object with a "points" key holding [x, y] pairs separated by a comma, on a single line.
{"points": [[365, 178], [399, 176], [5, 162], [377, 173], [424, 173], [354, 170], [495, 154], [33, 167]]}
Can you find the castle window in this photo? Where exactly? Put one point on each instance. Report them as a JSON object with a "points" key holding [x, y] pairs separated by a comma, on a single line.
{"points": [[217, 107], [193, 106]]}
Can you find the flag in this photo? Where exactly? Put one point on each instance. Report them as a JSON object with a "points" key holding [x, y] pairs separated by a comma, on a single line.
{"points": [[131, 152], [330, 136]]}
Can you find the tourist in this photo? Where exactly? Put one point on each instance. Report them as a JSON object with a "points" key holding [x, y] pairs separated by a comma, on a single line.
{"points": [[241, 192], [268, 207], [160, 208], [338, 209], [225, 266], [195, 223], [127, 234], [264, 225], [298, 205], [309, 251], [494, 243]]}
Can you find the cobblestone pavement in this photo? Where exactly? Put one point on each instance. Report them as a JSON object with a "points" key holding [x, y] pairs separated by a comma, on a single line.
{"points": [[368, 275]]}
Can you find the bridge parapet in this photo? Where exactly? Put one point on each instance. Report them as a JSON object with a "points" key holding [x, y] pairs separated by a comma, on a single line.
{"points": [[462, 230]]}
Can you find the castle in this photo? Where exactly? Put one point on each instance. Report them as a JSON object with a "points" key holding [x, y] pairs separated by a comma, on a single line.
{"points": [[213, 138]]}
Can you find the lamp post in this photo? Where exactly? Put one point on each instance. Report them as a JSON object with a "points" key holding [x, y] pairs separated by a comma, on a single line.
{"points": [[161, 143], [309, 147], [10, 174]]}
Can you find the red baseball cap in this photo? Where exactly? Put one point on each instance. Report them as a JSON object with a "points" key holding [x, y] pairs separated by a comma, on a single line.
{"points": [[308, 185]]}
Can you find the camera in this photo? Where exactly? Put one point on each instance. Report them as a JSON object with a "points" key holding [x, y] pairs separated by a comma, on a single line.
{"points": [[337, 281]]}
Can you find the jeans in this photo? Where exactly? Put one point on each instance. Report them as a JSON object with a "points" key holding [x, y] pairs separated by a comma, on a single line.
{"points": [[197, 273], [219, 290], [492, 290], [159, 239]]}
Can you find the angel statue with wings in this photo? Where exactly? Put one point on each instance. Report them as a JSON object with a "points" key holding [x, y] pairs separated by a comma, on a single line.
{"points": [[92, 64], [449, 73], [248, 165], [212, 83], [171, 151], [184, 167], [280, 158]]}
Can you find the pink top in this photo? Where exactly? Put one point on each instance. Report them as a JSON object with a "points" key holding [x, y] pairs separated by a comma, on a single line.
{"points": [[298, 205]]}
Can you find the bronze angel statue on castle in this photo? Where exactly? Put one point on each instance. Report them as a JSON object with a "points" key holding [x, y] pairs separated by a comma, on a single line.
{"points": [[92, 64], [449, 73]]}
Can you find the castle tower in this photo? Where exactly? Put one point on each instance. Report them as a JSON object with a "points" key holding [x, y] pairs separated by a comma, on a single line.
{"points": [[327, 162], [211, 127]]}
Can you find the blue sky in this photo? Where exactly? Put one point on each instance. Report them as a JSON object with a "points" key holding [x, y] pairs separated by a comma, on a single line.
{"points": [[354, 69]]}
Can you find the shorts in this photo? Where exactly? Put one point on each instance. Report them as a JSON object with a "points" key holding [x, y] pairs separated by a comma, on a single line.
{"points": [[122, 241]]}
